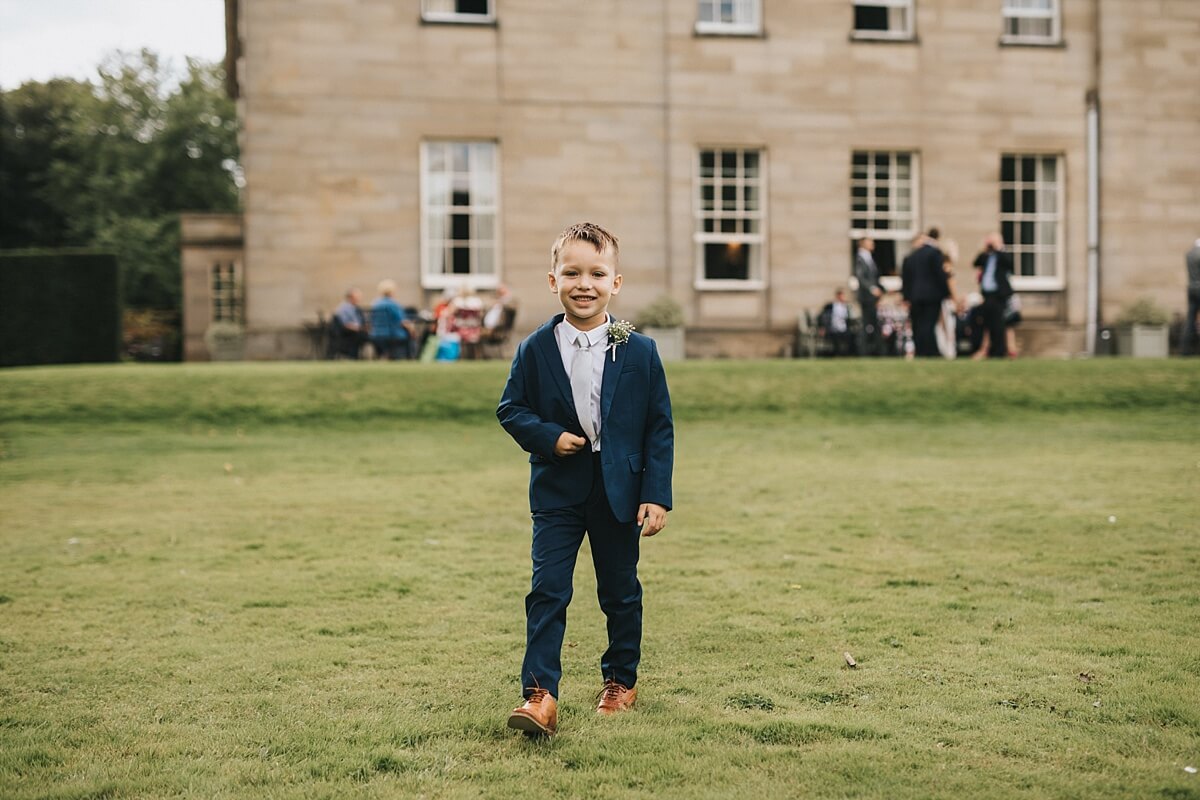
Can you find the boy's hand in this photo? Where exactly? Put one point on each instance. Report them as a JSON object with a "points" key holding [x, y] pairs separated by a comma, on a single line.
{"points": [[568, 444], [654, 516]]}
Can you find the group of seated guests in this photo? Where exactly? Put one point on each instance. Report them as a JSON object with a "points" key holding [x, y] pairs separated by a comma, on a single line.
{"points": [[399, 333]]}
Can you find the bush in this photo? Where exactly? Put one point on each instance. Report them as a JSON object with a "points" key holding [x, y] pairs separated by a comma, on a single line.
{"points": [[1143, 311], [662, 313]]}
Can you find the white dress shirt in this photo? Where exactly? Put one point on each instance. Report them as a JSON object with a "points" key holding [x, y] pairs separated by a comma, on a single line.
{"points": [[566, 334]]}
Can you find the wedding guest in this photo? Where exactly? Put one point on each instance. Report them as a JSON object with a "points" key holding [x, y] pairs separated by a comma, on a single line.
{"points": [[993, 267], [924, 288], [390, 330], [467, 312], [1188, 345], [870, 290], [834, 324], [349, 325], [601, 444]]}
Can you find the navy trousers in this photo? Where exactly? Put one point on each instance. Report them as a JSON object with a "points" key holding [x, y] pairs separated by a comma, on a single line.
{"points": [[557, 536]]}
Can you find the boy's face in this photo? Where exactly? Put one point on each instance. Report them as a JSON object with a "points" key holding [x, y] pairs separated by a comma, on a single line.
{"points": [[585, 281]]}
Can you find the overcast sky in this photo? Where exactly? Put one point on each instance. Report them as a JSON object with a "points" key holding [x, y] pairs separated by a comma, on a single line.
{"points": [[41, 39]]}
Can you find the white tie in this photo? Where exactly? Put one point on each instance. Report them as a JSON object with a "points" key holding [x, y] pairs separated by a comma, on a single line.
{"points": [[581, 386]]}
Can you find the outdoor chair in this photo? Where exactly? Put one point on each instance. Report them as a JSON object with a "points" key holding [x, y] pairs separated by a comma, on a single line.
{"points": [[495, 340]]}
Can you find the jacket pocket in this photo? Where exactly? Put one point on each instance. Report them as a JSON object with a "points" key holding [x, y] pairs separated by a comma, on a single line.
{"points": [[534, 458], [635, 463]]}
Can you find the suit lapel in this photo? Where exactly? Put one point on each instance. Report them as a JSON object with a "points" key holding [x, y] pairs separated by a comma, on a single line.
{"points": [[548, 345], [612, 374]]}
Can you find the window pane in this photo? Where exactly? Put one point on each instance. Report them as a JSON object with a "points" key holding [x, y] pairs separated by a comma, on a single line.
{"points": [[472, 7], [750, 198], [750, 162], [485, 260], [437, 259], [1028, 264], [728, 164], [706, 197], [460, 227], [707, 158], [726, 261], [1048, 233], [460, 260], [1046, 264], [1050, 169], [1029, 169], [870, 18], [1029, 200], [435, 225], [729, 198], [483, 228], [1008, 169], [1027, 233], [460, 196], [439, 189]]}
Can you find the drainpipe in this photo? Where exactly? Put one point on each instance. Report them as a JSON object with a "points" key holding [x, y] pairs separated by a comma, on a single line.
{"points": [[1093, 187], [1093, 220]]}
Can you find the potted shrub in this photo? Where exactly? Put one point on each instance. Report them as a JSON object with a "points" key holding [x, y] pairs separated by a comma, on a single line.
{"points": [[1142, 330], [662, 321], [225, 341]]}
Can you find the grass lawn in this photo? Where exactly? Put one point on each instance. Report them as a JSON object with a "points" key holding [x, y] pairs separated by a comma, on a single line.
{"points": [[307, 580]]}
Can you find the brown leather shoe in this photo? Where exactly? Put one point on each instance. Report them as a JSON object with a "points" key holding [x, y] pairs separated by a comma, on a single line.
{"points": [[538, 715], [615, 697]]}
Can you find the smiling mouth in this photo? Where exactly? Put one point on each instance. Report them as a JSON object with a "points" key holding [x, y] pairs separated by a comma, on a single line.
{"points": [[583, 298]]}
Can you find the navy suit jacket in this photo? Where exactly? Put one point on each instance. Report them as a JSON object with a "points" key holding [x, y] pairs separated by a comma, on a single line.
{"points": [[637, 433]]}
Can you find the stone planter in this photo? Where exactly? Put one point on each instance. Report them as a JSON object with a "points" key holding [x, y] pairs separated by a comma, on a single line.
{"points": [[669, 341], [1142, 341]]}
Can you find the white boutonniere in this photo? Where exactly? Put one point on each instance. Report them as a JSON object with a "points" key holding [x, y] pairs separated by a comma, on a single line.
{"points": [[618, 334]]}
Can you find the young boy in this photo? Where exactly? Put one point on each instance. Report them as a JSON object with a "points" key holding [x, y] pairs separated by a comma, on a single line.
{"points": [[591, 407]]}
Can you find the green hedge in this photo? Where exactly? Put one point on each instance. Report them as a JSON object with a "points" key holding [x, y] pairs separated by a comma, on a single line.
{"points": [[59, 307]]}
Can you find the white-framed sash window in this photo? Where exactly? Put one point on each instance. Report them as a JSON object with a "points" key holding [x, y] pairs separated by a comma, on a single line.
{"points": [[736, 17], [465, 11], [226, 292], [1032, 22], [884, 19], [729, 212], [884, 201], [460, 204], [1031, 218]]}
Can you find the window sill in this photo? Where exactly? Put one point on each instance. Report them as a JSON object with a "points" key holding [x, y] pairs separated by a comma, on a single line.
{"points": [[702, 31], [440, 282], [468, 21], [1049, 44], [884, 38], [729, 286], [1030, 283]]}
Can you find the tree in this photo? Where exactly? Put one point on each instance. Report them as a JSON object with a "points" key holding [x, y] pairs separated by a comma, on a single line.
{"points": [[112, 164]]}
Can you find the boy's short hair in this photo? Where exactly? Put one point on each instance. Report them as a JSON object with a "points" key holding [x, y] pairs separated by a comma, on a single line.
{"points": [[589, 232]]}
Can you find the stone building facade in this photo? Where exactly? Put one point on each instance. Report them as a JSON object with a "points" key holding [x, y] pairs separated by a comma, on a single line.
{"points": [[736, 146]]}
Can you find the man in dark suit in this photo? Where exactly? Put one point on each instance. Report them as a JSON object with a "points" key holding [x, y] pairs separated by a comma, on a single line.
{"points": [[866, 272], [924, 287], [1188, 345], [588, 400], [994, 266]]}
